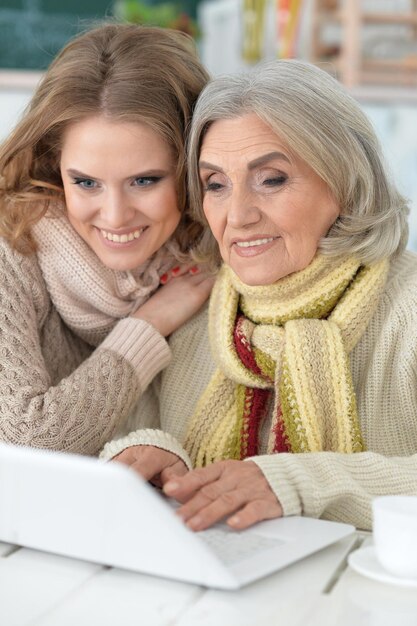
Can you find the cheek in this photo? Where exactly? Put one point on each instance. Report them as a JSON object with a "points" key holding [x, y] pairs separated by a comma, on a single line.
{"points": [[164, 207], [75, 207], [171, 213], [213, 219]]}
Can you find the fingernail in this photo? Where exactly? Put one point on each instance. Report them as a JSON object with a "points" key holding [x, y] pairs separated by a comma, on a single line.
{"points": [[234, 520], [175, 270], [171, 486], [194, 270], [194, 523], [164, 278]]}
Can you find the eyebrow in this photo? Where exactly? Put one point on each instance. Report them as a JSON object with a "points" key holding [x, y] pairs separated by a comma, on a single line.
{"points": [[148, 173], [78, 174], [265, 158]]}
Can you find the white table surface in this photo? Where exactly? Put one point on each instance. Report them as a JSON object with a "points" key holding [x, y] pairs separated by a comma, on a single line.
{"points": [[40, 589]]}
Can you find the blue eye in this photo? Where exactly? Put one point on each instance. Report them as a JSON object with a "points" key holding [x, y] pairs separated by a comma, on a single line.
{"points": [[85, 183], [146, 181]]}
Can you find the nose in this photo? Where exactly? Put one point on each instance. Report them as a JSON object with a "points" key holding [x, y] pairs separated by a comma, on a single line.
{"points": [[116, 209], [243, 209]]}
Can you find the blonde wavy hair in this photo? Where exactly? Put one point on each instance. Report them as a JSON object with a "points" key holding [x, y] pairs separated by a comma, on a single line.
{"points": [[323, 125], [124, 71]]}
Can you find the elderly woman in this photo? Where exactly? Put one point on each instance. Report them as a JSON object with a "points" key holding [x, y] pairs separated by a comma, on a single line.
{"points": [[307, 402]]}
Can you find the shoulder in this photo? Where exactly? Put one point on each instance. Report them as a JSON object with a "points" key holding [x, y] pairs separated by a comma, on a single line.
{"points": [[402, 275], [22, 278], [395, 318], [400, 292]]}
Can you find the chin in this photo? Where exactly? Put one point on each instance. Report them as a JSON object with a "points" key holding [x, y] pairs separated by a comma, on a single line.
{"points": [[121, 265], [257, 279]]}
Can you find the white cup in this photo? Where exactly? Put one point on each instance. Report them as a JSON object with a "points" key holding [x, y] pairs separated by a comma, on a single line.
{"points": [[395, 534]]}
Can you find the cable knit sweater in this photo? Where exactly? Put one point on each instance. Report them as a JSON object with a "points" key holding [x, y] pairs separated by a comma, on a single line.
{"points": [[324, 484], [56, 391]]}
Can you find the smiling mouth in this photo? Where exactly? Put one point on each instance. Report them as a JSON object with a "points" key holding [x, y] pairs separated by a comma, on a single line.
{"points": [[255, 242], [125, 238]]}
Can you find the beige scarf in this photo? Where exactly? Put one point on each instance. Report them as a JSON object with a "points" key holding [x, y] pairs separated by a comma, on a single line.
{"points": [[89, 296], [285, 344]]}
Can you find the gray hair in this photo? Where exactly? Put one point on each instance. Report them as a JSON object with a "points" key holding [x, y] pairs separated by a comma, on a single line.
{"points": [[323, 125]]}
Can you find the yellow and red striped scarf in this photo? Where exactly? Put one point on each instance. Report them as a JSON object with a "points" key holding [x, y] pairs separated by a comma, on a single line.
{"points": [[286, 344]]}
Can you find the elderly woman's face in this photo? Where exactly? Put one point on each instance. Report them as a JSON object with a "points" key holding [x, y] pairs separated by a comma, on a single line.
{"points": [[266, 207]]}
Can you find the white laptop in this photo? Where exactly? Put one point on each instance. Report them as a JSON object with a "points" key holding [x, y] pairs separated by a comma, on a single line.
{"points": [[104, 512]]}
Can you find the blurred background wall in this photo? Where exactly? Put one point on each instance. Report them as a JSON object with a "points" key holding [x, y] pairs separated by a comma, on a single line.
{"points": [[370, 45]]}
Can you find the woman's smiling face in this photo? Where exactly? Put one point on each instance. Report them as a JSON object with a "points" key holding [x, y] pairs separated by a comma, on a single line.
{"points": [[120, 189], [267, 207]]}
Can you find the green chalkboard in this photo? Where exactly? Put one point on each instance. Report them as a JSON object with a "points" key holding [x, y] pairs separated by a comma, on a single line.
{"points": [[33, 31]]}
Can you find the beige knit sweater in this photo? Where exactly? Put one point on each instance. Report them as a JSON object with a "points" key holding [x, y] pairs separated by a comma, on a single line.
{"points": [[56, 391], [325, 484]]}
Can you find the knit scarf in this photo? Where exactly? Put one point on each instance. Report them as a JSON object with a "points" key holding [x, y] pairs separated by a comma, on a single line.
{"points": [[89, 296], [285, 347]]}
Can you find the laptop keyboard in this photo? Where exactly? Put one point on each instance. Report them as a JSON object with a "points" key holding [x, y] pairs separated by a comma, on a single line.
{"points": [[231, 546]]}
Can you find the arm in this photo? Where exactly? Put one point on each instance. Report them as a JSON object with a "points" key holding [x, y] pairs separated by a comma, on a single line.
{"points": [[163, 412], [68, 402], [167, 310], [336, 486], [55, 392], [129, 449], [333, 486], [142, 446]]}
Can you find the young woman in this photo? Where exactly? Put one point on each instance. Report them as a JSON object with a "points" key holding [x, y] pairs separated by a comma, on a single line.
{"points": [[93, 217]]}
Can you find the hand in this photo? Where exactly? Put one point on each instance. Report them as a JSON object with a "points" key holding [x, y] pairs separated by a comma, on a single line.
{"points": [[227, 488], [177, 271], [152, 463], [175, 302]]}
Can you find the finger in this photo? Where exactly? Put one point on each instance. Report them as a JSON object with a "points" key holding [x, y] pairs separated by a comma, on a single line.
{"points": [[127, 456], [149, 470], [183, 487], [206, 495], [204, 517], [178, 270], [182, 270], [149, 463], [198, 279], [120, 458], [170, 473], [255, 511]]}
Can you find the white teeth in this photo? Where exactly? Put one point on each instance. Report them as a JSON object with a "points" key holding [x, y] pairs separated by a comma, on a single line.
{"points": [[121, 238], [255, 242]]}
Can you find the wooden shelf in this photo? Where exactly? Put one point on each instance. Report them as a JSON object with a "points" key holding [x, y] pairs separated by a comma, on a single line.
{"points": [[353, 67], [406, 65], [390, 18]]}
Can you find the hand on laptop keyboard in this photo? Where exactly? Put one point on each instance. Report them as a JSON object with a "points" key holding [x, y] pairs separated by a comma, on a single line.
{"points": [[237, 490], [152, 463]]}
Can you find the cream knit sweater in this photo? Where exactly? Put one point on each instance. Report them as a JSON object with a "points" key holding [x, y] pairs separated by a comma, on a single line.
{"points": [[55, 390], [324, 484]]}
